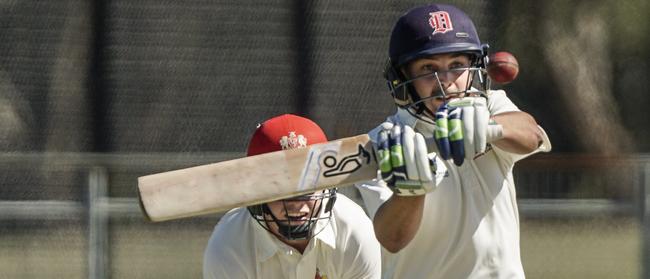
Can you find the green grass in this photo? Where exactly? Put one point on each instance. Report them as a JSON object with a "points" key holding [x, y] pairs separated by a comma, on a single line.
{"points": [[585, 248]]}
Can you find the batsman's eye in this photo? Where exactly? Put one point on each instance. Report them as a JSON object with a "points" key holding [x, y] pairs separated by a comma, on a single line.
{"points": [[458, 65], [428, 69], [426, 72]]}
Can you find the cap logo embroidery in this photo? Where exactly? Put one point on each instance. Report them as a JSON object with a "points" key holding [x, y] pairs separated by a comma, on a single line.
{"points": [[293, 141], [440, 22]]}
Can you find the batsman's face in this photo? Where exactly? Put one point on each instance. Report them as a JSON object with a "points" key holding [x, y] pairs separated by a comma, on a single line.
{"points": [[441, 71], [294, 211]]}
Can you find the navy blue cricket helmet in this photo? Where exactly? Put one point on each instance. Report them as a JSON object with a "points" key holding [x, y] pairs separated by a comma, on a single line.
{"points": [[432, 29], [424, 31]]}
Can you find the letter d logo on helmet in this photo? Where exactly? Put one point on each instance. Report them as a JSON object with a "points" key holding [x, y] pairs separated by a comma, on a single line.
{"points": [[440, 22], [432, 29]]}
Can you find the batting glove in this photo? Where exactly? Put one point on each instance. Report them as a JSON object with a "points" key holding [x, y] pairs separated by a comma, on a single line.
{"points": [[405, 164], [463, 129]]}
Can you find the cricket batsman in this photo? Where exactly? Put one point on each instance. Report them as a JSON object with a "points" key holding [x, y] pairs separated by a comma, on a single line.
{"points": [[444, 203]]}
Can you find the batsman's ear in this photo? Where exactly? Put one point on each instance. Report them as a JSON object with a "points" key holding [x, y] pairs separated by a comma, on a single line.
{"points": [[394, 80]]}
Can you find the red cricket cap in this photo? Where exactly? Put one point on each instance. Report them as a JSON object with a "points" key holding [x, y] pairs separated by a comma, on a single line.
{"points": [[286, 131]]}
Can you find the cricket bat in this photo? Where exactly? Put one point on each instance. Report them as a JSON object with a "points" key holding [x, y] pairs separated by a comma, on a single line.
{"points": [[256, 179]]}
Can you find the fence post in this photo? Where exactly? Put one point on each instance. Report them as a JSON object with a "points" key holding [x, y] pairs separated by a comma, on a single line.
{"points": [[645, 213], [97, 223]]}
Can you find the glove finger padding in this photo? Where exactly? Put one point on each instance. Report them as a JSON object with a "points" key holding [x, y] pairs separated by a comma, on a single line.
{"points": [[457, 135], [481, 120], [409, 146], [468, 129], [426, 167], [442, 132], [397, 153], [383, 157], [403, 160], [474, 121]]}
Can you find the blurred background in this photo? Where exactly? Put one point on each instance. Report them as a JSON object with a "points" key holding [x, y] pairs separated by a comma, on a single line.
{"points": [[94, 94]]}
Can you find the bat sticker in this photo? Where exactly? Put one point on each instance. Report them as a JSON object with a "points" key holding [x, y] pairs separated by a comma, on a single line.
{"points": [[348, 164]]}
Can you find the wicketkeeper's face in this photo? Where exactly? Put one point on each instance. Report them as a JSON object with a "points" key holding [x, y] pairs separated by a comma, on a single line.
{"points": [[296, 211], [437, 73]]}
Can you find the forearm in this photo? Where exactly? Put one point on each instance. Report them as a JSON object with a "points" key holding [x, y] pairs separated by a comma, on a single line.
{"points": [[397, 221], [521, 135]]}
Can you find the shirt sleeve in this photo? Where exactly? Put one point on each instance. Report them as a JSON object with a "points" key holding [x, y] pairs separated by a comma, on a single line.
{"points": [[226, 261], [513, 158], [373, 193], [361, 250], [212, 268], [498, 102], [218, 262]]}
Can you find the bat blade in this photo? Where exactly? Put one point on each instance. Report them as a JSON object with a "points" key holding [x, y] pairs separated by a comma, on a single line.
{"points": [[256, 179]]}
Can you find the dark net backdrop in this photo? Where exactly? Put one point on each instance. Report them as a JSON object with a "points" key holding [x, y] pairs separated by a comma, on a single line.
{"points": [[190, 76]]}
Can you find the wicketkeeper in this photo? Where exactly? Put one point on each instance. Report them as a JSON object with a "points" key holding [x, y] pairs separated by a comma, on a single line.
{"points": [[320, 235]]}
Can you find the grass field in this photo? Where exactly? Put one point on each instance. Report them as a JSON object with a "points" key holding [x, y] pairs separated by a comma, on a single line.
{"points": [[580, 248]]}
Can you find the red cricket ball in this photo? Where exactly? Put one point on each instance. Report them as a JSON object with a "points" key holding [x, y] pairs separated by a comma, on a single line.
{"points": [[502, 67]]}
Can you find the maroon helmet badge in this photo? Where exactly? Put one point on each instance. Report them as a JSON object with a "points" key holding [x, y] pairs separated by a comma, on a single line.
{"points": [[440, 22]]}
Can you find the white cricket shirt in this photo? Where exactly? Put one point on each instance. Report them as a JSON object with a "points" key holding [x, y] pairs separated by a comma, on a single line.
{"points": [[470, 225], [240, 248]]}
